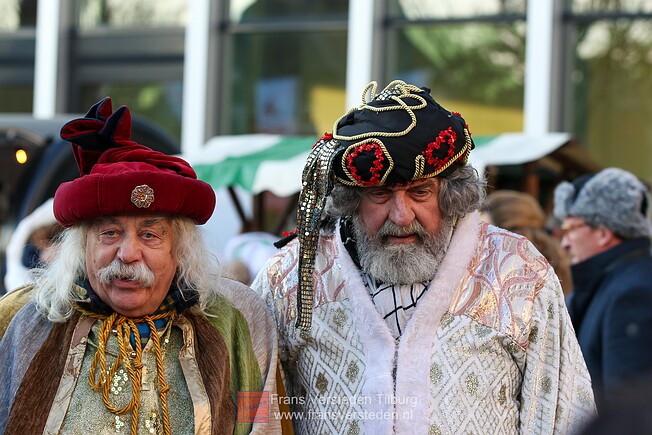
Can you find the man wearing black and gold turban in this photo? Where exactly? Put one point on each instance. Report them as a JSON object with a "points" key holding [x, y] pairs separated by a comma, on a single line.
{"points": [[398, 310]]}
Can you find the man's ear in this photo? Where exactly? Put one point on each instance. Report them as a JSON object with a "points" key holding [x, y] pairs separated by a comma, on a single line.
{"points": [[607, 238]]}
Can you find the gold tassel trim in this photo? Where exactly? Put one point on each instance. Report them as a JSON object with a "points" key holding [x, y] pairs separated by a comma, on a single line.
{"points": [[100, 379]]}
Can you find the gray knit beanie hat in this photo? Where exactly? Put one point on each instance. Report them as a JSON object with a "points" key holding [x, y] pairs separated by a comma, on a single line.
{"points": [[612, 198]]}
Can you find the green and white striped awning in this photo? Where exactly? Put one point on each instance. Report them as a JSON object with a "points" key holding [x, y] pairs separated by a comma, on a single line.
{"points": [[261, 162]]}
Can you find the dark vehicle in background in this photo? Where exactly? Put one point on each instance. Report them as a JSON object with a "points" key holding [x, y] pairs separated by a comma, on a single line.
{"points": [[35, 160]]}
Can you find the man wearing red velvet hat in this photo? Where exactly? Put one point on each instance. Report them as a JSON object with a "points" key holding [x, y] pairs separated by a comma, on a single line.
{"points": [[131, 329], [398, 311]]}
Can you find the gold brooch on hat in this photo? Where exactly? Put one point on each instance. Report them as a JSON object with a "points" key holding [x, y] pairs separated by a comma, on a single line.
{"points": [[142, 196]]}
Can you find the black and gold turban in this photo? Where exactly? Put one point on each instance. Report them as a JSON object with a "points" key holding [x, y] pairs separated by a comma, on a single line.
{"points": [[401, 134]]}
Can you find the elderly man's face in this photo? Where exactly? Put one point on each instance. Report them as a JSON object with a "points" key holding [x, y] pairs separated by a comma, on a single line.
{"points": [[402, 205], [580, 240], [130, 262], [400, 232]]}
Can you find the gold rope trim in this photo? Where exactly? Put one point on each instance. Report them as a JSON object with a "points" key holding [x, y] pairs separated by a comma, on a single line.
{"points": [[420, 165], [462, 155], [100, 379], [350, 148], [405, 91]]}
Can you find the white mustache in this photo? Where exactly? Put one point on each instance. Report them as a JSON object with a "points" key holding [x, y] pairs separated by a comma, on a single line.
{"points": [[390, 229], [132, 272]]}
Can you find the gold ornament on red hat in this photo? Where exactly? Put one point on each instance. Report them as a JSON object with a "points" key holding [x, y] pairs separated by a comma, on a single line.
{"points": [[142, 196]]}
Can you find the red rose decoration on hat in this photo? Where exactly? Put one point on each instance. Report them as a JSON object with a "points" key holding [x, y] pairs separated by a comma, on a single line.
{"points": [[119, 176], [375, 171], [445, 137]]}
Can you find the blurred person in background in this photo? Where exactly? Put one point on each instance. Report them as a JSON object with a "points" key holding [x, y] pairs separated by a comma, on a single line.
{"points": [[520, 213], [629, 415], [130, 328], [606, 232], [30, 245], [246, 253]]}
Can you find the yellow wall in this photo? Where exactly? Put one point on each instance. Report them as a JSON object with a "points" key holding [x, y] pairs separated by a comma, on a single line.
{"points": [[328, 104]]}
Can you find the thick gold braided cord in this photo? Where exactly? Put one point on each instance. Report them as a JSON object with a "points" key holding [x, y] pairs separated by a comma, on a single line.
{"points": [[100, 379], [316, 185], [164, 388], [396, 91]]}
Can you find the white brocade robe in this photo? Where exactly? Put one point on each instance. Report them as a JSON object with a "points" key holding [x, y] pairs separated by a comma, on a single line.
{"points": [[489, 349]]}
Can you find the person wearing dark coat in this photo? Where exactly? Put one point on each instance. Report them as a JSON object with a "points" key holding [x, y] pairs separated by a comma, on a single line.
{"points": [[606, 231]]}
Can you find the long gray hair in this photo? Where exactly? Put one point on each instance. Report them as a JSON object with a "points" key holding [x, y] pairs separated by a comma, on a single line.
{"points": [[460, 192], [54, 294]]}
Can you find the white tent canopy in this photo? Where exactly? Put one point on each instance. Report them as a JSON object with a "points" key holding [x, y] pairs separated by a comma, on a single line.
{"points": [[516, 148]]}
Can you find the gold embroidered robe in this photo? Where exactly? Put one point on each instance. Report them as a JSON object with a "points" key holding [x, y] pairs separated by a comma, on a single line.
{"points": [[489, 348], [238, 315]]}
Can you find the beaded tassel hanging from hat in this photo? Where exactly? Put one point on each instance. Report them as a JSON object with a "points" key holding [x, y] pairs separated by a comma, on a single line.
{"points": [[396, 136], [317, 182]]}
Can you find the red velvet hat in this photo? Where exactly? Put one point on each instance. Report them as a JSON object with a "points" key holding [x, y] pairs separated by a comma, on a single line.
{"points": [[120, 177]]}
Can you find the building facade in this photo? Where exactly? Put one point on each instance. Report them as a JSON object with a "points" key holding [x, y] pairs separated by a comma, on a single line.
{"points": [[201, 68]]}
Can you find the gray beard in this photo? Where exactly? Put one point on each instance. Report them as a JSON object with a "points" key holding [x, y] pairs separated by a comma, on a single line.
{"points": [[402, 264]]}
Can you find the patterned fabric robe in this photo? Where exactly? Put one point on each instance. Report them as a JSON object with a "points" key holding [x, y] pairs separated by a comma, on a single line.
{"points": [[246, 349], [489, 349]]}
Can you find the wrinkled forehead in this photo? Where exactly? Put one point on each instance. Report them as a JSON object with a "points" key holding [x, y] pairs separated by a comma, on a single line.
{"points": [[147, 220], [423, 182]]}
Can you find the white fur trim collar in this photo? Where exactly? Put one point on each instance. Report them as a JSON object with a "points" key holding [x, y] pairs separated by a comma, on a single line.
{"points": [[379, 346]]}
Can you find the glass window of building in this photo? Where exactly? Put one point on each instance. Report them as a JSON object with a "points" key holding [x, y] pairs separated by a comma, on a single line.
{"points": [[15, 14], [249, 11], [132, 51], [157, 102], [470, 53], [129, 13], [579, 6], [17, 47], [424, 9], [285, 67], [608, 107]]}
